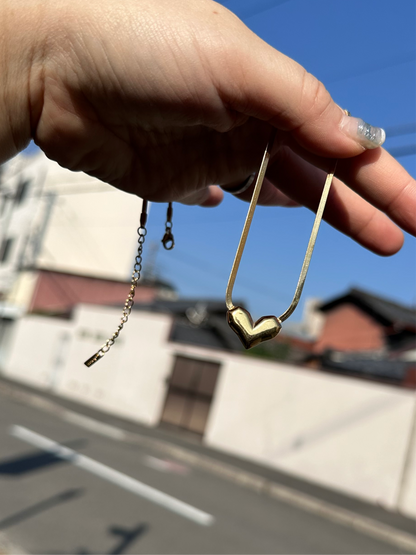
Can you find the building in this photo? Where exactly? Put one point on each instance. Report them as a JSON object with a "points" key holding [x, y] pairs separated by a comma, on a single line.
{"points": [[61, 245], [369, 336], [199, 322]]}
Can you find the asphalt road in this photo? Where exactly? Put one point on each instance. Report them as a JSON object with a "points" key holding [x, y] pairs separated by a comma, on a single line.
{"points": [[100, 495]]}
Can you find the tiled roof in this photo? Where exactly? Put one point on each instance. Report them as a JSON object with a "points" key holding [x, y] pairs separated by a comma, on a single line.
{"points": [[357, 363], [180, 306]]}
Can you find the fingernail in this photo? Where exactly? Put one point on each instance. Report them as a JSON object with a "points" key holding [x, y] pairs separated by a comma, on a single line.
{"points": [[364, 133]]}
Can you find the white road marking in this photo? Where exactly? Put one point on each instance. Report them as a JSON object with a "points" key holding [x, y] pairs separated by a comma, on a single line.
{"points": [[113, 476]]}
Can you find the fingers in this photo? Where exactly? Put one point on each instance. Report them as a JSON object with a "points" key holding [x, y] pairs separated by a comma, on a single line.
{"points": [[377, 177], [345, 210], [269, 195], [380, 179]]}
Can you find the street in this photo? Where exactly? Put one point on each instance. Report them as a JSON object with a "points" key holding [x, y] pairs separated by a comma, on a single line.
{"points": [[64, 489]]}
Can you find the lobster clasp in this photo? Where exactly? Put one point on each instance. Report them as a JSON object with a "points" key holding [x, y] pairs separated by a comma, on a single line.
{"points": [[168, 241]]}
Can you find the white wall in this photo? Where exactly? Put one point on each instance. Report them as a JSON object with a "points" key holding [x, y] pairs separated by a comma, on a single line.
{"points": [[37, 347], [69, 222], [342, 433], [23, 289], [92, 228], [128, 381], [49, 353], [6, 334], [406, 499], [91, 233], [345, 434]]}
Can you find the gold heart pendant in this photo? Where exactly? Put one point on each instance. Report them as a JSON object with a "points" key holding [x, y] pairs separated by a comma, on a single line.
{"points": [[251, 334]]}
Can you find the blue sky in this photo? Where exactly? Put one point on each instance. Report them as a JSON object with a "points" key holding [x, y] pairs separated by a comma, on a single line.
{"points": [[364, 52]]}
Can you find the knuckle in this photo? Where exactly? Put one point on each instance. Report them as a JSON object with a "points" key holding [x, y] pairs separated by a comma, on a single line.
{"points": [[314, 98], [396, 200], [364, 227]]}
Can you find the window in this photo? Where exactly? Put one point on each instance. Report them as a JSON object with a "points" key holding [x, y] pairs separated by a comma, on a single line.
{"points": [[21, 191], [5, 249]]}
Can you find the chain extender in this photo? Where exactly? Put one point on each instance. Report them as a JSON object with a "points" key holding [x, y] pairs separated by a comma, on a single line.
{"points": [[128, 305]]}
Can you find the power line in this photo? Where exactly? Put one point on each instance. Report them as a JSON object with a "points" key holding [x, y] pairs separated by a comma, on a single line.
{"points": [[206, 267], [400, 151], [371, 67], [400, 129]]}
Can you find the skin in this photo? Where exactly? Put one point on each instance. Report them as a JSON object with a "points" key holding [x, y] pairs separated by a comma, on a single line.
{"points": [[164, 98]]}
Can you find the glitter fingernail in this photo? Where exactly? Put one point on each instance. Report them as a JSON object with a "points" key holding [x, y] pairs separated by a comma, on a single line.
{"points": [[362, 132]]}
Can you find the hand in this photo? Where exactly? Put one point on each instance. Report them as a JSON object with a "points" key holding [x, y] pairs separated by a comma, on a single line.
{"points": [[164, 98]]}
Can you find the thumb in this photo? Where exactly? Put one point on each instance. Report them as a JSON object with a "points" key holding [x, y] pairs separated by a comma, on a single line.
{"points": [[264, 83]]}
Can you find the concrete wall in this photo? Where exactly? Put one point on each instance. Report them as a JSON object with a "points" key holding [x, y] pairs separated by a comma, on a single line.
{"points": [[37, 349], [342, 433], [130, 380], [49, 353], [345, 434], [406, 500]]}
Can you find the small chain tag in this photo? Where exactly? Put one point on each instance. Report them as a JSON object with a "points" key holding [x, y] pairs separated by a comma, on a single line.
{"points": [[92, 360]]}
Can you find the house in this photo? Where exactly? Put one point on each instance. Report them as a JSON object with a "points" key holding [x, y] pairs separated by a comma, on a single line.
{"points": [[57, 234], [368, 336], [361, 321], [196, 322], [61, 246]]}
